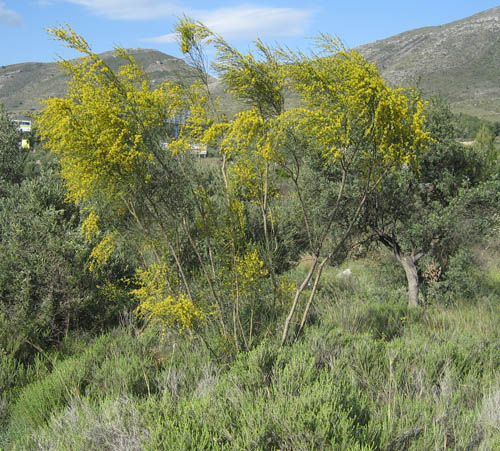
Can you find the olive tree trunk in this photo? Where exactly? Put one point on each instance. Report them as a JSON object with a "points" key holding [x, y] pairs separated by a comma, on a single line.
{"points": [[409, 263]]}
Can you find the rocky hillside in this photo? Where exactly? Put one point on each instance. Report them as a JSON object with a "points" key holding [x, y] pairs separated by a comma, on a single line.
{"points": [[459, 60], [22, 86]]}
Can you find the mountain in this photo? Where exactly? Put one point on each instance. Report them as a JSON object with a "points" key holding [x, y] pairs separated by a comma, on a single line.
{"points": [[23, 85], [460, 61]]}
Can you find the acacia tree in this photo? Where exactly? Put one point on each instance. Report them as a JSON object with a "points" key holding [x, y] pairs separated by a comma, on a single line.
{"points": [[247, 144], [348, 123], [109, 132], [141, 185], [350, 131]]}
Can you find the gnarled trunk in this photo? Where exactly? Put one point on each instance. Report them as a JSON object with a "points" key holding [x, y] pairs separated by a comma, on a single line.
{"points": [[409, 263]]}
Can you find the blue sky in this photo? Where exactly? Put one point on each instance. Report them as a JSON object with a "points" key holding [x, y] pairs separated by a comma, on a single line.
{"points": [[149, 23]]}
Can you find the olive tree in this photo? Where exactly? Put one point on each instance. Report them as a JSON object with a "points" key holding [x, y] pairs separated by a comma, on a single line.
{"points": [[448, 201]]}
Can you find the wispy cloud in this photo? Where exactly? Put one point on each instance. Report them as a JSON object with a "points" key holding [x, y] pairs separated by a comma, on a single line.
{"points": [[9, 17], [163, 39], [238, 22], [131, 9], [249, 22]]}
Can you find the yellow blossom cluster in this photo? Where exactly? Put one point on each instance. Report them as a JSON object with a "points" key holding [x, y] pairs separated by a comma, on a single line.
{"points": [[172, 311], [102, 128], [102, 252], [90, 226], [250, 269], [166, 310], [348, 107]]}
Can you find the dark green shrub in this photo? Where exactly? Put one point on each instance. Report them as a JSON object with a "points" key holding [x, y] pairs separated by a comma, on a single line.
{"points": [[46, 290], [463, 279]]}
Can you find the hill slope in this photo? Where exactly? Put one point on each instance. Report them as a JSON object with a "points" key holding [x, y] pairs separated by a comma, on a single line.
{"points": [[459, 60], [22, 86]]}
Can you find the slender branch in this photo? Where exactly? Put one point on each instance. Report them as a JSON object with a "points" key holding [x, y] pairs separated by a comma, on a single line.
{"points": [[296, 300], [313, 292], [205, 272]]}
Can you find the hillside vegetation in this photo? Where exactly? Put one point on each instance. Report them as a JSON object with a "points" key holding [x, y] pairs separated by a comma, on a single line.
{"points": [[459, 61], [23, 86], [329, 279]]}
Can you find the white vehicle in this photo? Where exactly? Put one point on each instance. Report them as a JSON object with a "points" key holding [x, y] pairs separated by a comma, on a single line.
{"points": [[23, 126], [198, 149]]}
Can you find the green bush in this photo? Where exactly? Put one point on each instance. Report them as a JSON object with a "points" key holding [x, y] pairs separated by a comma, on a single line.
{"points": [[113, 423], [463, 279], [116, 364], [45, 289], [427, 387], [12, 376], [271, 398]]}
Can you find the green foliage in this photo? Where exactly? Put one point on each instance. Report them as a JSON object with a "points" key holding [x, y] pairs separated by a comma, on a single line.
{"points": [[434, 381], [116, 155], [115, 364], [271, 399], [330, 390], [450, 201], [45, 288], [463, 279], [13, 376], [484, 146], [12, 157], [217, 246], [468, 126]]}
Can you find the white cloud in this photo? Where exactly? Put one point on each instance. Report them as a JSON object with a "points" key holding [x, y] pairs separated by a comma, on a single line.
{"points": [[250, 22], [163, 39], [131, 9], [9, 17], [238, 22]]}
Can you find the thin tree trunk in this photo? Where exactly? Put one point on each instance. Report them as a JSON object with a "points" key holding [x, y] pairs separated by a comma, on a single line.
{"points": [[181, 270], [205, 273], [311, 296], [296, 300], [267, 241], [409, 264]]}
